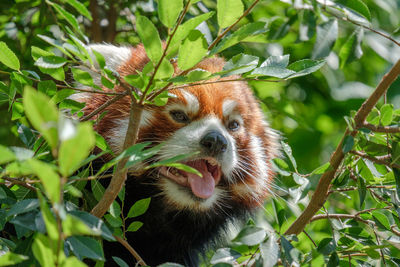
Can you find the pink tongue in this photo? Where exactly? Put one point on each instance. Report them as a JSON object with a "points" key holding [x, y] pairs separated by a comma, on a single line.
{"points": [[202, 187]]}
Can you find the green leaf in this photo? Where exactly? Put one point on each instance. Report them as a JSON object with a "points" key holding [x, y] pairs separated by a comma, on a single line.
{"points": [[82, 77], [94, 223], [240, 34], [397, 178], [326, 246], [184, 29], [85, 247], [228, 11], [50, 62], [333, 260], [386, 114], [120, 262], [168, 11], [362, 190], [134, 226], [23, 206], [239, 64], [193, 49], [279, 213], [10, 259], [288, 153], [72, 225], [72, 262], [327, 33], [42, 113], [151, 40], [270, 251], [67, 16], [251, 235], [7, 57], [48, 218], [348, 144], [6, 155], [139, 208], [49, 178], [76, 148], [351, 50], [41, 249], [321, 169], [80, 8], [358, 6], [165, 71], [381, 220], [227, 255], [47, 87], [305, 67], [99, 58]]}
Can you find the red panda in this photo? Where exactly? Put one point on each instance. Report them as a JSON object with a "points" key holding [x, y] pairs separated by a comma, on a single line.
{"points": [[224, 124]]}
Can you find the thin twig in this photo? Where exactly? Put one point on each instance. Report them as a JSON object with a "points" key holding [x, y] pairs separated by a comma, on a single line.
{"points": [[103, 106], [146, 90], [352, 188], [382, 129], [137, 257], [360, 25], [379, 159], [321, 192], [309, 237], [245, 13], [19, 182]]}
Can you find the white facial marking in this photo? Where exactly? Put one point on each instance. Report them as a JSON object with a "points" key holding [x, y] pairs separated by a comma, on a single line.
{"points": [[260, 161], [118, 133], [187, 140], [228, 107], [192, 106]]}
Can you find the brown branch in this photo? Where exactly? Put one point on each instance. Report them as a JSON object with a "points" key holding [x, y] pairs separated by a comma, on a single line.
{"points": [[321, 192], [137, 257], [352, 188], [103, 106], [19, 182], [379, 159], [245, 13], [382, 129], [394, 231], [146, 90], [112, 16], [119, 177], [338, 217], [88, 90]]}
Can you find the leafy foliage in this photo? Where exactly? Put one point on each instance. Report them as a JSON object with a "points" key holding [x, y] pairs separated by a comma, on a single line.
{"points": [[311, 64]]}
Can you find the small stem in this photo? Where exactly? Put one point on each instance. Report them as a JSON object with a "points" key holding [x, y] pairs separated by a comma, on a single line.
{"points": [[139, 259], [379, 159], [103, 106]]}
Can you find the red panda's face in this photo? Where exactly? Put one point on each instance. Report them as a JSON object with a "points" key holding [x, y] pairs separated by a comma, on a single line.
{"points": [[223, 129], [219, 124]]}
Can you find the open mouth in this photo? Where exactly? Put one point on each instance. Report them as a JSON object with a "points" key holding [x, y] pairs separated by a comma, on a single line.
{"points": [[202, 187]]}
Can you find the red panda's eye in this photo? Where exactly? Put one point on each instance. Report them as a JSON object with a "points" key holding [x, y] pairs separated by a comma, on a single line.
{"points": [[233, 125], [179, 116]]}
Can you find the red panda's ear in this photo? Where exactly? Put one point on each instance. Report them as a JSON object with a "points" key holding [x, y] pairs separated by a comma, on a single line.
{"points": [[115, 56]]}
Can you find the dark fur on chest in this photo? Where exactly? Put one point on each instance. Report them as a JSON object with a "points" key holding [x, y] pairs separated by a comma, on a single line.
{"points": [[169, 235]]}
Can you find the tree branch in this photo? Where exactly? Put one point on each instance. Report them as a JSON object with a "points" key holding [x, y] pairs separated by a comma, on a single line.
{"points": [[382, 129], [119, 177], [380, 159], [321, 192], [139, 259], [103, 106]]}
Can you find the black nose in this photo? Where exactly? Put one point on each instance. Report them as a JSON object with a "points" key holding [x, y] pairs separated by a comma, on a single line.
{"points": [[214, 143]]}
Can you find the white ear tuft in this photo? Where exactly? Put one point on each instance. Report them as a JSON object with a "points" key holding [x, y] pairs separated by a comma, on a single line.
{"points": [[114, 56]]}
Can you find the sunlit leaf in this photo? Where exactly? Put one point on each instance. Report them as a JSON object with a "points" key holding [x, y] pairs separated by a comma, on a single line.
{"points": [[7, 57], [49, 178], [134, 226], [168, 11], [228, 11], [192, 50], [150, 38]]}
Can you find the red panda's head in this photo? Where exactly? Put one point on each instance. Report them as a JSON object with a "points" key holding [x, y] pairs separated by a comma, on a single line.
{"points": [[220, 123]]}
